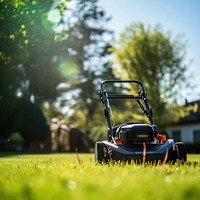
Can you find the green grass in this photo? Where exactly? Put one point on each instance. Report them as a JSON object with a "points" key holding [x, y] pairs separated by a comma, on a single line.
{"points": [[61, 176]]}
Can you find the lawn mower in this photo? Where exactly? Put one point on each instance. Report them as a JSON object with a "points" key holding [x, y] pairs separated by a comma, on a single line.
{"points": [[137, 142]]}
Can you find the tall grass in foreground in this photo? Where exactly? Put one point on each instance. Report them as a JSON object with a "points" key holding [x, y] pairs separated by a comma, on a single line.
{"points": [[63, 176]]}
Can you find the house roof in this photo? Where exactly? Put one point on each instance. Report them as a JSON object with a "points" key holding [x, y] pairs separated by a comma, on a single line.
{"points": [[194, 113]]}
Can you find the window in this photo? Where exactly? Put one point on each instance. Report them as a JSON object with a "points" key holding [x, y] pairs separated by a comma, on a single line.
{"points": [[176, 135], [196, 136]]}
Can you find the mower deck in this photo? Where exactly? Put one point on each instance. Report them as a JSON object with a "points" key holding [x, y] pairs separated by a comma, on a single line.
{"points": [[138, 152]]}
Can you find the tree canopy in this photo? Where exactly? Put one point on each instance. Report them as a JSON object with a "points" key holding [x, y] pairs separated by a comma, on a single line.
{"points": [[154, 58], [28, 55], [88, 44], [47, 56], [29, 52]]}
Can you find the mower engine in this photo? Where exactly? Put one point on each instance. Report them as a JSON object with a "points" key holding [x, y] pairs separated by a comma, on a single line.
{"points": [[135, 133]]}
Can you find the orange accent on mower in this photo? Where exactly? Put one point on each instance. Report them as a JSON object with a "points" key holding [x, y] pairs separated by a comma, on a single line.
{"points": [[161, 138]]}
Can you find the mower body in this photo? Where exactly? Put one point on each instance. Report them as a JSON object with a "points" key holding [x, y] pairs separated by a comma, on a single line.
{"points": [[135, 141]]}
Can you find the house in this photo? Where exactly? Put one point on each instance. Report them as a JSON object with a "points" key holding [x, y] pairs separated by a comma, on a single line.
{"points": [[187, 129]]}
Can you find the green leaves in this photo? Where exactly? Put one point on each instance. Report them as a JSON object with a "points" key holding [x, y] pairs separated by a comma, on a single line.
{"points": [[87, 52], [153, 57], [28, 67]]}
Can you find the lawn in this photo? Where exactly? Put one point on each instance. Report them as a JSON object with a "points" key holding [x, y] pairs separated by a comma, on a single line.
{"points": [[64, 176]]}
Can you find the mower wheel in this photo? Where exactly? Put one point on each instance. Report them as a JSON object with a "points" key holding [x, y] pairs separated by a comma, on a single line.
{"points": [[181, 151], [100, 153]]}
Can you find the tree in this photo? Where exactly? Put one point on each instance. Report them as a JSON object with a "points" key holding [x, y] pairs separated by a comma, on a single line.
{"points": [[29, 56], [29, 51], [153, 57], [88, 46]]}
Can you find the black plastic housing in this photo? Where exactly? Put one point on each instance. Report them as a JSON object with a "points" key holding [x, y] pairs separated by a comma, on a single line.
{"points": [[136, 133]]}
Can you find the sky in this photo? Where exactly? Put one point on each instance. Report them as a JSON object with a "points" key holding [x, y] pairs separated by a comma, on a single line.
{"points": [[181, 17]]}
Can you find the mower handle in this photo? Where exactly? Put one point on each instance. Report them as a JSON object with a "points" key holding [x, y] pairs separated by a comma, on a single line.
{"points": [[123, 96]]}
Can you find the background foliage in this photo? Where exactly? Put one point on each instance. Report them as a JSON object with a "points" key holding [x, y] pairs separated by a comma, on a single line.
{"points": [[53, 57], [155, 58]]}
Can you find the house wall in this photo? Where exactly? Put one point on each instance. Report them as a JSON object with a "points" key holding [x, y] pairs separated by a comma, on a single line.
{"points": [[186, 131]]}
